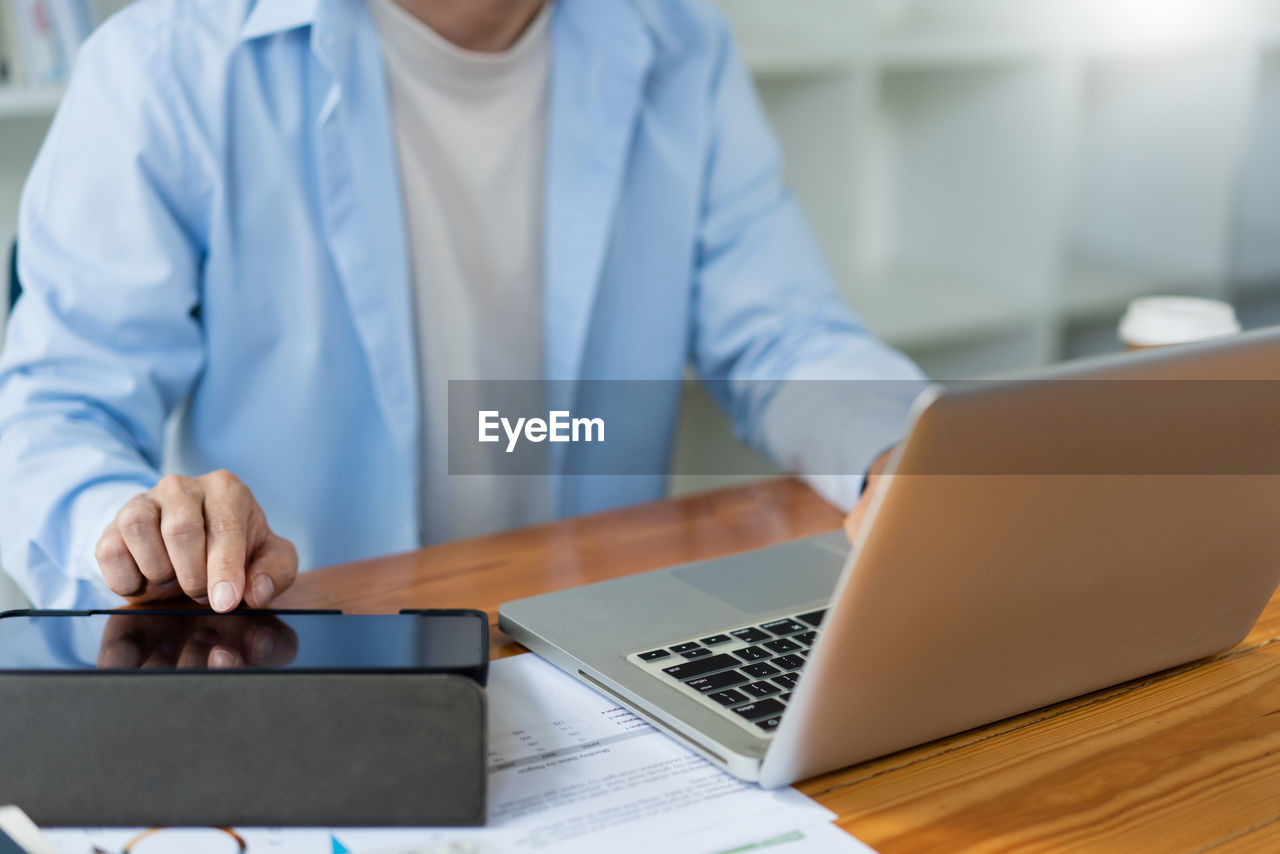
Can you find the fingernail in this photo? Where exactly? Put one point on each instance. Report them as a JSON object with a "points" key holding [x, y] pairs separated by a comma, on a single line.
{"points": [[223, 596], [262, 644], [263, 589], [221, 659]]}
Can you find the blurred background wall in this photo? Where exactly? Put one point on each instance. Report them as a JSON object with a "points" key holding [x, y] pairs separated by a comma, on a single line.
{"points": [[992, 180]]}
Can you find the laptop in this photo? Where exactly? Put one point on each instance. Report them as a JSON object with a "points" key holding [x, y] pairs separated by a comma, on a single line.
{"points": [[1038, 538]]}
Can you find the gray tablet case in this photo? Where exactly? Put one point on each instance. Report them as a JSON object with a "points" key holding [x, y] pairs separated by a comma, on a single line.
{"points": [[248, 749]]}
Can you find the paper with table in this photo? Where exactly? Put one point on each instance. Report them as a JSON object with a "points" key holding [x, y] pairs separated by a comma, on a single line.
{"points": [[570, 771]]}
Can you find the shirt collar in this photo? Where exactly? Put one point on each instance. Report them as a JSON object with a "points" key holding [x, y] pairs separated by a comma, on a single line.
{"points": [[276, 16]]}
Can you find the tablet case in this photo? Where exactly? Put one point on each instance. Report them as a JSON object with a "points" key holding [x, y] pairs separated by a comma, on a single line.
{"points": [[248, 749]]}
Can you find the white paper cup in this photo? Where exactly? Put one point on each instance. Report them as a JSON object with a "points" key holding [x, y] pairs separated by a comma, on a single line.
{"points": [[1166, 321]]}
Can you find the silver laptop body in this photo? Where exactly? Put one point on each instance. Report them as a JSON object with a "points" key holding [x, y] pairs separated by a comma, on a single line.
{"points": [[1038, 539]]}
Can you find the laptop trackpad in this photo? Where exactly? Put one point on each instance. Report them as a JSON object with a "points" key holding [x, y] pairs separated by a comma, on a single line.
{"points": [[767, 581]]}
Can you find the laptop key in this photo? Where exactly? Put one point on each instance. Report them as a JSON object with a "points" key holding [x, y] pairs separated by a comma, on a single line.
{"points": [[769, 724], [786, 698], [787, 680], [750, 635], [716, 639], [780, 645], [760, 709], [716, 681], [759, 670], [684, 647], [806, 638], [701, 666], [760, 689], [727, 698], [654, 655], [696, 652], [751, 653], [813, 618], [789, 662], [784, 627]]}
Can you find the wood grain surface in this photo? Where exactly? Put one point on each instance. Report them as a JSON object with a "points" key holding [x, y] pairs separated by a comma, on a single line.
{"points": [[1185, 760]]}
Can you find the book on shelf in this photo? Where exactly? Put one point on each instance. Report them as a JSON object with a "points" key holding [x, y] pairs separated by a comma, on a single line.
{"points": [[39, 39], [5, 69], [72, 23], [39, 44], [14, 67]]}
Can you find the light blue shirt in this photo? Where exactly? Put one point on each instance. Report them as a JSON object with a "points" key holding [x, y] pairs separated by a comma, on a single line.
{"points": [[213, 230]]}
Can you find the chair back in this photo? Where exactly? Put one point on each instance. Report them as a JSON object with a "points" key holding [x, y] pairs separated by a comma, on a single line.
{"points": [[15, 285]]}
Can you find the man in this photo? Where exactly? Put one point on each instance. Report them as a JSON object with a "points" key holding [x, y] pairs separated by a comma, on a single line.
{"points": [[289, 223]]}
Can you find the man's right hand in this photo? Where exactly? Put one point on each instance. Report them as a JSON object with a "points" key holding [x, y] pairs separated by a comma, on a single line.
{"points": [[203, 536]]}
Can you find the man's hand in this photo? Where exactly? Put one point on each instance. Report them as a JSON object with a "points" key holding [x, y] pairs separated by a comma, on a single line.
{"points": [[853, 522], [203, 536]]}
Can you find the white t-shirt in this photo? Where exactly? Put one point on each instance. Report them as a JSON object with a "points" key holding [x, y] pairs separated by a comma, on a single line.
{"points": [[470, 131]]}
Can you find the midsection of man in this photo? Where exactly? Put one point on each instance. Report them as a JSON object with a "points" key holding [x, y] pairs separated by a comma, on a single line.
{"points": [[238, 208]]}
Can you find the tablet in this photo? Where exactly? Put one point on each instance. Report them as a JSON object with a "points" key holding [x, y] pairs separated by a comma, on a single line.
{"points": [[150, 641]]}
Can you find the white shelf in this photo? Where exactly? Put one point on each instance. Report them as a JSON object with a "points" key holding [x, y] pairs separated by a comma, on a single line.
{"points": [[774, 43], [17, 101], [1095, 293], [923, 52], [773, 61], [951, 50], [933, 49], [914, 310]]}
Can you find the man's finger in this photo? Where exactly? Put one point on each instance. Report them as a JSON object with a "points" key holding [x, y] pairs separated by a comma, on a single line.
{"points": [[139, 524], [118, 566], [272, 569], [195, 652], [154, 592], [227, 507], [225, 658], [270, 644], [858, 515], [182, 529], [122, 644], [853, 522], [163, 656]]}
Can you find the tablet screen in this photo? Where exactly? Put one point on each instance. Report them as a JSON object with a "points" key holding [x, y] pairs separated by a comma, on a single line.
{"points": [[202, 640]]}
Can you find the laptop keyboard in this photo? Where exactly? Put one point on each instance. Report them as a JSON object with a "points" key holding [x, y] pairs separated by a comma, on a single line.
{"points": [[747, 674]]}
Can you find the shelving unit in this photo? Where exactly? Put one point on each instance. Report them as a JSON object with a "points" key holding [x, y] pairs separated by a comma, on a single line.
{"points": [[1023, 168], [29, 101], [25, 114], [1255, 251]]}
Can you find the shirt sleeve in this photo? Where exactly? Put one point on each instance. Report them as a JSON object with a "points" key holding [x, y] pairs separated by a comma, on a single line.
{"points": [[102, 345], [803, 379]]}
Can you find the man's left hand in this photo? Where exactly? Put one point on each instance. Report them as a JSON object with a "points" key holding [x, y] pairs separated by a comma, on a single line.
{"points": [[875, 472]]}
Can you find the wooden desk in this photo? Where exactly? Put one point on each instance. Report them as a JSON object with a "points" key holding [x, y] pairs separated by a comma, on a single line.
{"points": [[1184, 760]]}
